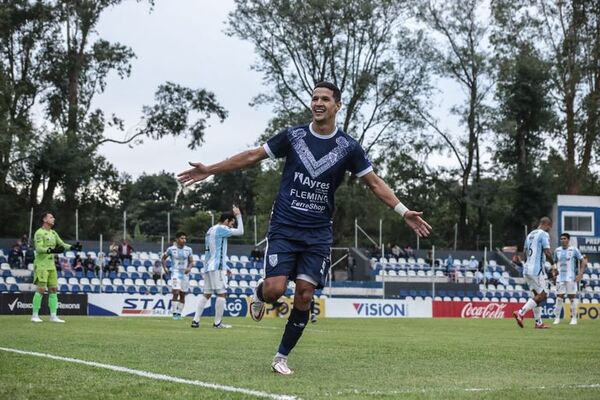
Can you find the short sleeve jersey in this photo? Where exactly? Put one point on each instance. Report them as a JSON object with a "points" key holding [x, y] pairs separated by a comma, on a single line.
{"points": [[314, 168], [179, 259], [216, 247], [536, 242], [568, 261]]}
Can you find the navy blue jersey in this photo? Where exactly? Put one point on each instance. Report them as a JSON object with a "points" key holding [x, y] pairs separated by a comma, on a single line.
{"points": [[314, 168]]}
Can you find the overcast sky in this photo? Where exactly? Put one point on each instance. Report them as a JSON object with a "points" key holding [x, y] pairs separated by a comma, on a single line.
{"points": [[181, 41]]}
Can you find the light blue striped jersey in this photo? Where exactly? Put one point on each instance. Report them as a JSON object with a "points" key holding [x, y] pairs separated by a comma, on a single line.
{"points": [[215, 243], [179, 259], [536, 242], [568, 261]]}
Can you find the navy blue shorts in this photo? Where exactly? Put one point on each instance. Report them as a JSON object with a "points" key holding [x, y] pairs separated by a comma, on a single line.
{"points": [[302, 255]]}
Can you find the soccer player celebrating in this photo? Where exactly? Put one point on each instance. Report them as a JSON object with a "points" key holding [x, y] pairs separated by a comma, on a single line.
{"points": [[566, 260], [300, 230], [537, 245], [215, 267], [181, 265], [47, 243]]}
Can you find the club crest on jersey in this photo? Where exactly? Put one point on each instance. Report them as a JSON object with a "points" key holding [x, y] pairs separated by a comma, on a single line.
{"points": [[273, 260]]}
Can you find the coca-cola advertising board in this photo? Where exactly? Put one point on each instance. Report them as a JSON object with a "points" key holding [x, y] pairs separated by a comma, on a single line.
{"points": [[483, 309]]}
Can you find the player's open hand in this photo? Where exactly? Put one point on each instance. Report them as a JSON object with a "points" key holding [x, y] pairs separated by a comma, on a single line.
{"points": [[416, 223], [236, 211], [193, 175]]}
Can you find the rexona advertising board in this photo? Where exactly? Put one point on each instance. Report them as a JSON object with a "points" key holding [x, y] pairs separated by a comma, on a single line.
{"points": [[483, 309], [156, 306], [21, 303], [371, 308]]}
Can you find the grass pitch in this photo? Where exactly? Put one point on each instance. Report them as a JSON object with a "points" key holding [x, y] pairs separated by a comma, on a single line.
{"points": [[335, 359]]}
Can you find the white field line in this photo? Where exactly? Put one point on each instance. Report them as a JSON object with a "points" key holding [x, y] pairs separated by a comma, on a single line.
{"points": [[279, 328], [155, 376], [455, 389]]}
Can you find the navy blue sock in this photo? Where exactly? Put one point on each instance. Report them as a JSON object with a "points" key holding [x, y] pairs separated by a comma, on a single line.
{"points": [[259, 292], [293, 330]]}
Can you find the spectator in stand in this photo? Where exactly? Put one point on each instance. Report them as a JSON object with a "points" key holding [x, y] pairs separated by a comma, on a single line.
{"points": [[409, 251], [256, 254], [449, 264], [157, 271], [24, 243], [77, 264], [479, 275], [15, 257], [90, 265], [65, 265], [473, 264], [516, 260], [29, 256], [397, 251], [125, 251], [429, 258]]}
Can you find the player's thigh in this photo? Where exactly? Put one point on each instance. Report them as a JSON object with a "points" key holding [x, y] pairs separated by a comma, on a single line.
{"points": [[536, 284], [561, 288], [281, 258], [175, 283], [41, 277], [571, 288], [214, 283], [313, 267]]}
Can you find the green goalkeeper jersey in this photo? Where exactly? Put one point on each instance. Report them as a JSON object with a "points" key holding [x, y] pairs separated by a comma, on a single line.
{"points": [[46, 239]]}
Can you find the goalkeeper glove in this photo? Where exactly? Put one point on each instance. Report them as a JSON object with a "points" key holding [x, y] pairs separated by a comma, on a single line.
{"points": [[76, 247], [58, 249]]}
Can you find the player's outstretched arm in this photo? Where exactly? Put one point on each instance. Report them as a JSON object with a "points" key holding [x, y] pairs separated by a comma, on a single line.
{"points": [[239, 231], [200, 172], [386, 195]]}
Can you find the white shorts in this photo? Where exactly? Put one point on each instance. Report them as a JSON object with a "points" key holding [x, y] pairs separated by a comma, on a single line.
{"points": [[214, 282], [537, 284], [178, 283], [566, 287]]}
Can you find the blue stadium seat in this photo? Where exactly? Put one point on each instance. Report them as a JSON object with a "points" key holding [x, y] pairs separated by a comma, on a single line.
{"points": [[3, 288], [153, 290], [3, 259], [75, 289], [165, 290], [126, 262], [196, 290], [123, 275], [199, 264], [112, 275], [146, 275], [147, 263], [63, 288], [143, 290], [136, 263], [14, 288], [109, 289], [6, 273], [96, 289], [120, 289], [86, 289], [90, 275], [441, 293], [134, 275], [78, 274], [131, 290], [67, 274]]}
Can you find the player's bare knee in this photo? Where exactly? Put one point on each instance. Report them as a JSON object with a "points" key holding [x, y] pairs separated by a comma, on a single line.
{"points": [[273, 289], [51, 290]]}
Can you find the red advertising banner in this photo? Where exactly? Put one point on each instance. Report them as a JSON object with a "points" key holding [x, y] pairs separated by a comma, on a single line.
{"points": [[476, 309]]}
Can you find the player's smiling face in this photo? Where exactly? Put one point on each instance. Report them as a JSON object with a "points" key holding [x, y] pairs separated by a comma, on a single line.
{"points": [[323, 105]]}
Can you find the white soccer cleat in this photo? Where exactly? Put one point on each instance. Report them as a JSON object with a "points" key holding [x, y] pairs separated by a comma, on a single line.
{"points": [[257, 307], [556, 321], [36, 319], [279, 365], [56, 319], [221, 325], [573, 321]]}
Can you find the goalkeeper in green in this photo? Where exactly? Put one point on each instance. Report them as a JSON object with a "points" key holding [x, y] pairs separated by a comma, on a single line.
{"points": [[47, 243]]}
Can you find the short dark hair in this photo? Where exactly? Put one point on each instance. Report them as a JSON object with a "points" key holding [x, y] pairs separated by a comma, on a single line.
{"points": [[180, 234], [225, 215], [565, 234], [337, 94], [43, 215]]}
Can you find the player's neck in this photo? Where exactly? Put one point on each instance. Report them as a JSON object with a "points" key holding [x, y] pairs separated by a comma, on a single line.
{"points": [[46, 227], [323, 127]]}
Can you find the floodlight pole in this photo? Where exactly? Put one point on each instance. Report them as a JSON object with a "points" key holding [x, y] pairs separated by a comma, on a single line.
{"points": [[77, 225], [433, 271], [30, 224], [168, 227], [125, 225], [455, 235], [491, 246], [101, 262]]}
